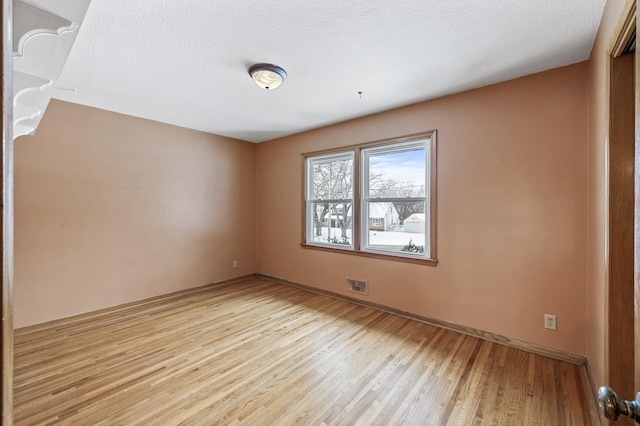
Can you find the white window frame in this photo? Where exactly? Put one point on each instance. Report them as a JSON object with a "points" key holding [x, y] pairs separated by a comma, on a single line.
{"points": [[311, 201], [360, 221], [365, 199]]}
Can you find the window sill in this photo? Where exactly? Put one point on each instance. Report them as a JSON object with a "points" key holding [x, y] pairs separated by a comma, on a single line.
{"points": [[397, 258]]}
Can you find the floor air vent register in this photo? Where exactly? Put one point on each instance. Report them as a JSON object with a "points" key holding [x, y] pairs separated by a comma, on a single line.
{"points": [[357, 286]]}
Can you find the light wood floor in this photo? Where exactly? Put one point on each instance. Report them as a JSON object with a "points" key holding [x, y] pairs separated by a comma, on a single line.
{"points": [[263, 353]]}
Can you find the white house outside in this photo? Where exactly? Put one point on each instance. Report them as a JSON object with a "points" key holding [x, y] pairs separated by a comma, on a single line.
{"points": [[383, 217]]}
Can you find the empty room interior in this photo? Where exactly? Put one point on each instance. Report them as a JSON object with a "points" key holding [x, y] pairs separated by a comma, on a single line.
{"points": [[320, 212]]}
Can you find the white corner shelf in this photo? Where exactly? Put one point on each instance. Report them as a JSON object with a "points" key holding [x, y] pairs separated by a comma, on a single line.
{"points": [[41, 55]]}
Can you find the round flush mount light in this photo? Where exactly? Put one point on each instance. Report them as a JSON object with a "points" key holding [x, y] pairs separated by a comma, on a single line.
{"points": [[267, 76]]}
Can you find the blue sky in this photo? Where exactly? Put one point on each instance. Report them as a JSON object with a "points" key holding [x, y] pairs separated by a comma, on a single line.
{"points": [[406, 166]]}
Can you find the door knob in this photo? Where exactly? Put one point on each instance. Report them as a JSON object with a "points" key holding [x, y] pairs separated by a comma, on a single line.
{"points": [[612, 406]]}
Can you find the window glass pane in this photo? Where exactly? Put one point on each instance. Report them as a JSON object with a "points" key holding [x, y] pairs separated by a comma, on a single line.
{"points": [[332, 179], [397, 174], [397, 226], [332, 223]]}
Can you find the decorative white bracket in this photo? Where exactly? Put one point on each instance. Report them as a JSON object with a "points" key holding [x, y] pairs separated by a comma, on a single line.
{"points": [[41, 55]]}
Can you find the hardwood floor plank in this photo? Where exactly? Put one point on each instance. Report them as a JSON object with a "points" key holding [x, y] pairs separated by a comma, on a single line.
{"points": [[260, 352]]}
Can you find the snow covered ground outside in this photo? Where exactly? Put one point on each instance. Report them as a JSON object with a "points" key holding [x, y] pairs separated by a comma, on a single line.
{"points": [[385, 238], [377, 238]]}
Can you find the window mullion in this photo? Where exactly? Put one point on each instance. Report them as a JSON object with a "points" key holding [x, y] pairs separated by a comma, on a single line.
{"points": [[355, 213], [363, 228]]}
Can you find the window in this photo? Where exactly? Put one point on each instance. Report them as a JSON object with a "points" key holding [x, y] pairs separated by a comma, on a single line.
{"points": [[330, 183], [374, 200]]}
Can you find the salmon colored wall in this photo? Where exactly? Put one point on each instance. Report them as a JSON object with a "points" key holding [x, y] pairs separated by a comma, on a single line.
{"points": [[512, 202], [598, 84], [111, 209]]}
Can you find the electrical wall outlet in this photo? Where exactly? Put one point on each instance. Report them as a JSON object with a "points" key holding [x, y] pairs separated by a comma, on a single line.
{"points": [[550, 322], [235, 263]]}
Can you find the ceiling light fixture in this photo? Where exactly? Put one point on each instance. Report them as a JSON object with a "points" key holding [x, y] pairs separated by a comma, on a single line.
{"points": [[267, 76]]}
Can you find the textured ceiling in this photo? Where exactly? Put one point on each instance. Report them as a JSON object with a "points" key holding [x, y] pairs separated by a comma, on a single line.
{"points": [[185, 62]]}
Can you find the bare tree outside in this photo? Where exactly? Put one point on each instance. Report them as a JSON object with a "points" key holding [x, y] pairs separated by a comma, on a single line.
{"points": [[394, 189], [333, 180]]}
